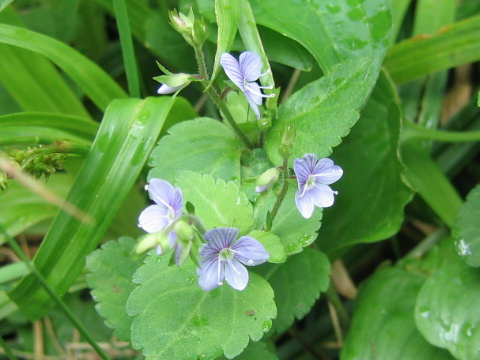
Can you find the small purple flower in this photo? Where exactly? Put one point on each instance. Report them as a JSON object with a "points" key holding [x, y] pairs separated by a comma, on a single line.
{"points": [[244, 73], [313, 178], [221, 258], [169, 203]]}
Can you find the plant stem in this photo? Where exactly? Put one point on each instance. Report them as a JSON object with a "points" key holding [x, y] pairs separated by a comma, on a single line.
{"points": [[283, 191], [13, 244], [416, 131], [334, 299], [216, 97], [7, 350]]}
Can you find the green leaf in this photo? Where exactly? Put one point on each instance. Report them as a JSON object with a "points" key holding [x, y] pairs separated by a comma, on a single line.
{"points": [[322, 112], [92, 79], [466, 229], [447, 313], [176, 319], [202, 145], [344, 30], [227, 12], [297, 284], [255, 351], [33, 81], [293, 229], [383, 326], [272, 244], [217, 203], [125, 138], [453, 45], [111, 270], [4, 4], [371, 183]]}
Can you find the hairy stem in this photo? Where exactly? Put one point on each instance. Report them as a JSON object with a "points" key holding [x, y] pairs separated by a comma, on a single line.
{"points": [[283, 191], [216, 97]]}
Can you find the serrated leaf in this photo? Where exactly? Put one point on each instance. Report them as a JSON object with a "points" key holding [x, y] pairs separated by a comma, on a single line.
{"points": [[322, 112], [202, 145], [383, 326], [466, 229], [297, 284], [447, 312], [217, 203], [293, 229], [372, 182], [227, 12], [176, 319], [111, 269], [255, 351], [272, 244]]}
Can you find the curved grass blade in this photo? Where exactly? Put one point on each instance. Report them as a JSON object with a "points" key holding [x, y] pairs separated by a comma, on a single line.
{"points": [[92, 79], [128, 52], [32, 80], [453, 45], [126, 136]]}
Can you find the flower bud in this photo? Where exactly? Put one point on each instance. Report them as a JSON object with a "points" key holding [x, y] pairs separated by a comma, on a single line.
{"points": [[184, 232], [267, 178], [194, 31], [288, 140], [150, 241]]}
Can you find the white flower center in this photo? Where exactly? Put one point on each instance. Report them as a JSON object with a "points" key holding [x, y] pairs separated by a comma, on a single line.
{"points": [[226, 254], [171, 214], [310, 182]]}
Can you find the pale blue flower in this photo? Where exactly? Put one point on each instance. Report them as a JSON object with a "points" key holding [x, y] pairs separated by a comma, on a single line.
{"points": [[313, 178], [222, 258], [244, 73], [168, 208]]}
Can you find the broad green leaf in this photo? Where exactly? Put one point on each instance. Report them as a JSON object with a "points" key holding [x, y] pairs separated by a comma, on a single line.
{"points": [[202, 145], [345, 29], [272, 244], [293, 229], [227, 13], [217, 203], [383, 325], [34, 82], [93, 80], [371, 183], [466, 229], [453, 45], [430, 16], [322, 112], [4, 4], [447, 313], [111, 270], [126, 136], [46, 128], [255, 351], [176, 319], [297, 284]]}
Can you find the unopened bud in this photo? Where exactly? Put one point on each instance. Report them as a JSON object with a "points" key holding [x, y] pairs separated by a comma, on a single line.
{"points": [[150, 241], [289, 135], [184, 232], [267, 178]]}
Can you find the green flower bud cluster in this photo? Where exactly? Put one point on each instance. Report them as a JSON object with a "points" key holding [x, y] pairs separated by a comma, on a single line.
{"points": [[194, 31]]}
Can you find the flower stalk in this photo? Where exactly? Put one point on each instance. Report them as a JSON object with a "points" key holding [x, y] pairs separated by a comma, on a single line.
{"points": [[283, 191]]}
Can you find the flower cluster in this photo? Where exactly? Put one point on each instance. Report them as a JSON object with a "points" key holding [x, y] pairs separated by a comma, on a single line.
{"points": [[221, 257]]}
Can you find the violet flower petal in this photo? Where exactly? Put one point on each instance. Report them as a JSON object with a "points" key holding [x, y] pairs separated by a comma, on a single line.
{"points": [[164, 89], [153, 219], [232, 69], [211, 274], [250, 251], [326, 172], [322, 195], [305, 204], [219, 239], [250, 66], [236, 274]]}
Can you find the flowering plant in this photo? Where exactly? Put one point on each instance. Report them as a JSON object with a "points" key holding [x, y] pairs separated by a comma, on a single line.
{"points": [[279, 144]]}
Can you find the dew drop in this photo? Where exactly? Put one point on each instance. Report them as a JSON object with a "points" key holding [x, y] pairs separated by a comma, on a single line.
{"points": [[267, 325]]}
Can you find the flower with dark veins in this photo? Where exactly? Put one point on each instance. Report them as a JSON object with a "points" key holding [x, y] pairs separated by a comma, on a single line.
{"points": [[313, 178], [244, 73], [168, 208], [222, 258]]}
